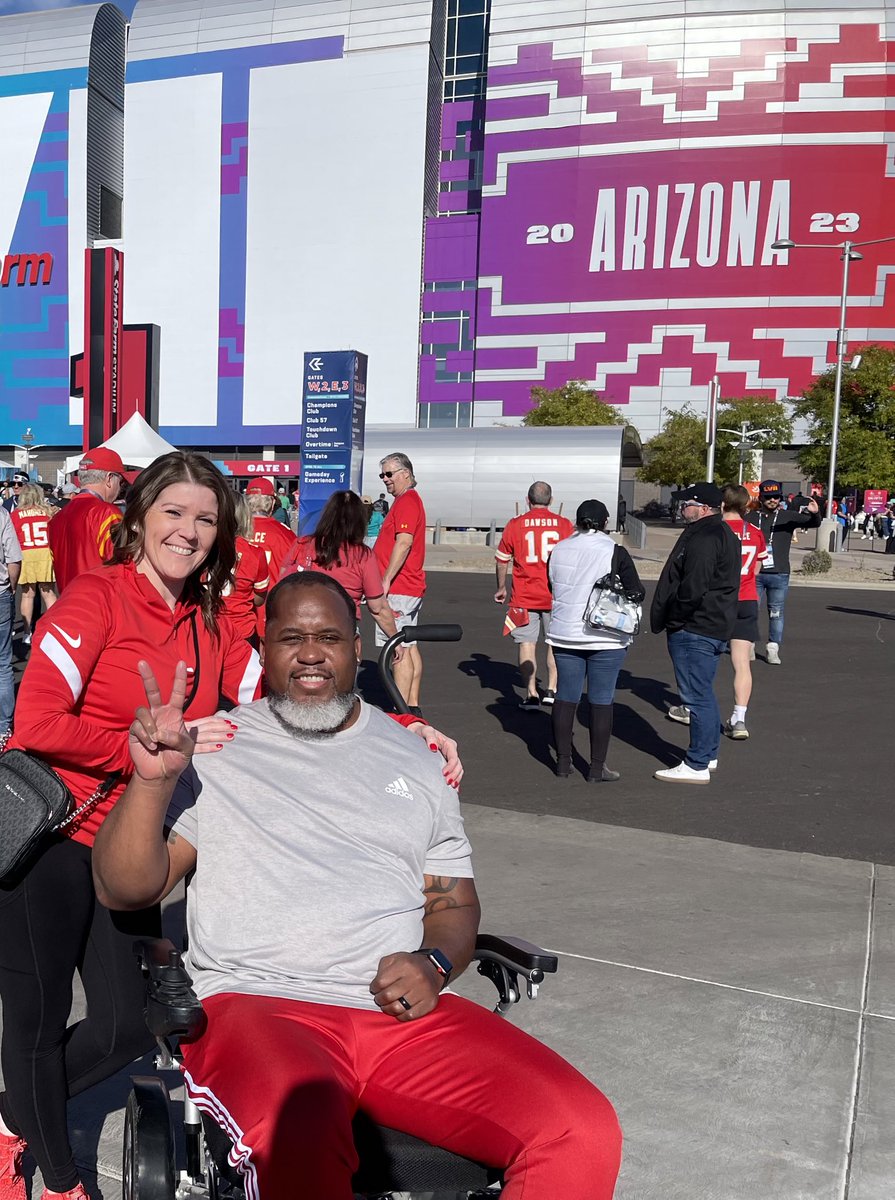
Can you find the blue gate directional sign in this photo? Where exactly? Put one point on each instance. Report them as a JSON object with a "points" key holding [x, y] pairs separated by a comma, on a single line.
{"points": [[334, 401]]}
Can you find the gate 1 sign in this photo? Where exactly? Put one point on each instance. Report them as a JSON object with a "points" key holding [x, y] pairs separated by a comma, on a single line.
{"points": [[333, 404]]}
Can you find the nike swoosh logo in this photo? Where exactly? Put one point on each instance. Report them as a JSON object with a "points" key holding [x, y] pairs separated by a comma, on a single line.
{"points": [[73, 642]]}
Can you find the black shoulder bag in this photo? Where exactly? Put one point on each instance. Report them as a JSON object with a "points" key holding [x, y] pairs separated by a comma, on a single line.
{"points": [[34, 804]]}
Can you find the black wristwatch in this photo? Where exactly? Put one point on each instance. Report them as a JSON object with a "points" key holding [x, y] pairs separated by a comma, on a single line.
{"points": [[439, 961]]}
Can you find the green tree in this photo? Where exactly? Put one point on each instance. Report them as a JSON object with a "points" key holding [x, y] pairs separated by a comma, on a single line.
{"points": [[866, 450], [574, 404], [676, 456]]}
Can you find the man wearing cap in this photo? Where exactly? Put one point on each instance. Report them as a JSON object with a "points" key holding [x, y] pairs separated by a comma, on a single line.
{"points": [[275, 538], [527, 543], [695, 603], [19, 479], [81, 534], [778, 525]]}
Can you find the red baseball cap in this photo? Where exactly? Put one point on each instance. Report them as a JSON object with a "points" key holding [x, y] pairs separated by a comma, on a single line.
{"points": [[102, 459], [260, 487]]}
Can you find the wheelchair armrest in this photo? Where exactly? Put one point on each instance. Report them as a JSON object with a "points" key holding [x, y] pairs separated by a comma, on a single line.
{"points": [[515, 953], [172, 1007], [503, 960]]}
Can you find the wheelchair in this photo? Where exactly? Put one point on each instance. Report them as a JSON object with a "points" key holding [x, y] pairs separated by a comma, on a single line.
{"points": [[389, 1161]]}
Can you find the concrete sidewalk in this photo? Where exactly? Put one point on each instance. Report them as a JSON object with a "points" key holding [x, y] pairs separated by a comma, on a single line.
{"points": [[736, 1004]]}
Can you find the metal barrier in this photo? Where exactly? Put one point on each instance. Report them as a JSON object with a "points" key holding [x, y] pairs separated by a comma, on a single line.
{"points": [[635, 532]]}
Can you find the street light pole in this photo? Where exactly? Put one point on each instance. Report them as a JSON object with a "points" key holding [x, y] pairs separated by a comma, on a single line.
{"points": [[841, 336], [745, 444]]}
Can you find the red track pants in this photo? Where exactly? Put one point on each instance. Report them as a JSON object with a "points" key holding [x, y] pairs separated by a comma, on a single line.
{"points": [[284, 1078]]}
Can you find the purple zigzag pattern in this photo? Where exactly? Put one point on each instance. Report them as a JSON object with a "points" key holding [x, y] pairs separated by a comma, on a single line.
{"points": [[231, 349], [234, 156]]}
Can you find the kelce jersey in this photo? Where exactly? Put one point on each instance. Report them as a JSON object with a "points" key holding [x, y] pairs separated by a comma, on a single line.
{"points": [[754, 551], [81, 686], [275, 540], [527, 542]]}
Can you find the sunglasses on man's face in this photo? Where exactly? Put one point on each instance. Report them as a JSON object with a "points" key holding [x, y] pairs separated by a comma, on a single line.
{"points": [[389, 474]]}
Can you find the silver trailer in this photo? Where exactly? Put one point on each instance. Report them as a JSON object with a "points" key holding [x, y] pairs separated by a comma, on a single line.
{"points": [[471, 478]]}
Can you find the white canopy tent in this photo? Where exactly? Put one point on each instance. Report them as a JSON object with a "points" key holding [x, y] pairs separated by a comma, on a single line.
{"points": [[137, 443]]}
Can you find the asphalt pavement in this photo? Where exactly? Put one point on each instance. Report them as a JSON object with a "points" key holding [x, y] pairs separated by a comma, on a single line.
{"points": [[814, 776]]}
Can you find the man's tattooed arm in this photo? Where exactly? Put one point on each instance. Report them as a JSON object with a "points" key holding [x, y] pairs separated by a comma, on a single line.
{"points": [[451, 918], [439, 892]]}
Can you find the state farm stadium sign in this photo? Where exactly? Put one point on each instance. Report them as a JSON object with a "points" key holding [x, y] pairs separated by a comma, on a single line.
{"points": [[631, 200], [22, 269]]}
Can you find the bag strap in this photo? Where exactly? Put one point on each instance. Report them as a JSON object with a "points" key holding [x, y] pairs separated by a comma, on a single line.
{"points": [[99, 794]]}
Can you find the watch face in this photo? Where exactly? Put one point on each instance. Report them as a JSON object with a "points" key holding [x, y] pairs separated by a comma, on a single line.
{"points": [[441, 961]]}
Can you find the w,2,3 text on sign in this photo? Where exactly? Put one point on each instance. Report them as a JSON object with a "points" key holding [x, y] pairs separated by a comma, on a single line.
{"points": [[332, 446]]}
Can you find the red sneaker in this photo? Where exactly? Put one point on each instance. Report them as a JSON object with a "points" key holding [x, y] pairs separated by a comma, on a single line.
{"points": [[76, 1193], [12, 1181]]}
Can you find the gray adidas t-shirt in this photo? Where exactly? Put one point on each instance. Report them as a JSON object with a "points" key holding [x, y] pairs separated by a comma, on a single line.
{"points": [[311, 855]]}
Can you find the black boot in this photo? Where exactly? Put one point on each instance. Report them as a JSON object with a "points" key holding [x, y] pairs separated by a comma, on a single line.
{"points": [[600, 733], [563, 718]]}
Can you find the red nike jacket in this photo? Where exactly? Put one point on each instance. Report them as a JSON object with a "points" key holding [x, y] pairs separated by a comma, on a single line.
{"points": [[81, 686]]}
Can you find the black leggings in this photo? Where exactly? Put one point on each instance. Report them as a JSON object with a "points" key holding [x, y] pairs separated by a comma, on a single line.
{"points": [[52, 925]]}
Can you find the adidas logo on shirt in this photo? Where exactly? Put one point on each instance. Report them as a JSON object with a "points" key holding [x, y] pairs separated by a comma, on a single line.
{"points": [[399, 788]]}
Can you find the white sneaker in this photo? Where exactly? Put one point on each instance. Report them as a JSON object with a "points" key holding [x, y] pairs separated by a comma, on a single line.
{"points": [[683, 773], [713, 765], [679, 713], [774, 653]]}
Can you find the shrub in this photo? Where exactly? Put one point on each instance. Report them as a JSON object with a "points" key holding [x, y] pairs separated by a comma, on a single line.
{"points": [[818, 562]]}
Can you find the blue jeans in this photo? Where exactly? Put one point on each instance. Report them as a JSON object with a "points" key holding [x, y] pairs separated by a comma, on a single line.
{"points": [[773, 588], [600, 666], [695, 660], [7, 689]]}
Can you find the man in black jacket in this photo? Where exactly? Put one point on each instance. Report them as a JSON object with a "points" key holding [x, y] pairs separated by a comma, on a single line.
{"points": [[778, 525], [696, 604]]}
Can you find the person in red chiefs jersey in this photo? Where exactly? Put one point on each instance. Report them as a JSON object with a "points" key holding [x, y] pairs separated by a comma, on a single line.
{"points": [[400, 550], [30, 519], [274, 538], [158, 601], [245, 595], [527, 543], [735, 505], [81, 536]]}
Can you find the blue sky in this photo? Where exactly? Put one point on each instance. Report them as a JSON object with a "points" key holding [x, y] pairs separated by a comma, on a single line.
{"points": [[18, 6]]}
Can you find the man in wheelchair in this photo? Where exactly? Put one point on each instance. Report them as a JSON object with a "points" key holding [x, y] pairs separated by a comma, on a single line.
{"points": [[331, 904]]}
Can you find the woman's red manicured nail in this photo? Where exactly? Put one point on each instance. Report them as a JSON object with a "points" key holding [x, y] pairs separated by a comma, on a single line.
{"points": [[230, 737]]}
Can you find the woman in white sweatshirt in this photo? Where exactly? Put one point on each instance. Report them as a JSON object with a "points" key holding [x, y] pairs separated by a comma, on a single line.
{"points": [[583, 653]]}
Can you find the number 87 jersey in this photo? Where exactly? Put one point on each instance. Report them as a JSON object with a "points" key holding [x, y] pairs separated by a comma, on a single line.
{"points": [[527, 543], [754, 551]]}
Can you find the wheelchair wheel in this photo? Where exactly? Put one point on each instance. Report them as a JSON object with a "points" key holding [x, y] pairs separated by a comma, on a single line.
{"points": [[148, 1158]]}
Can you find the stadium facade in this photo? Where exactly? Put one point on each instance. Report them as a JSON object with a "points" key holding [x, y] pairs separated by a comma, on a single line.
{"points": [[484, 196]]}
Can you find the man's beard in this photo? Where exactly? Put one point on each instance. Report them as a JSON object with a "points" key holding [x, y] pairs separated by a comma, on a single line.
{"points": [[312, 720]]}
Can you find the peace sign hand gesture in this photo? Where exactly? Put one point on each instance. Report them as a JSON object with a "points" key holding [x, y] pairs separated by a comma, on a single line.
{"points": [[160, 744]]}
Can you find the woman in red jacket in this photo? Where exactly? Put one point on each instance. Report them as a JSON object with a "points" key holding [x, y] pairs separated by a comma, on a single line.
{"points": [[159, 600]]}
